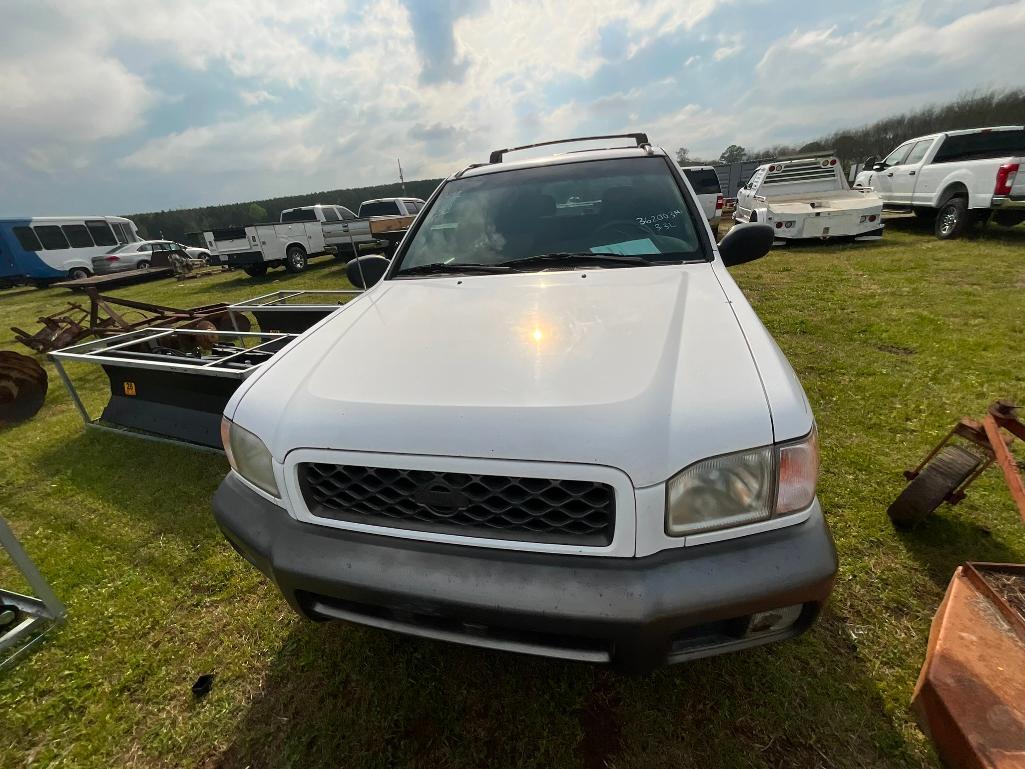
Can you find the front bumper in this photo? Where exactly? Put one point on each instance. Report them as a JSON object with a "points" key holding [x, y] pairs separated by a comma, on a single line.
{"points": [[637, 613]]}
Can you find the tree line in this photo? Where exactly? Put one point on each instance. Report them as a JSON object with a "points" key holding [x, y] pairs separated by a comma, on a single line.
{"points": [[976, 109], [183, 224]]}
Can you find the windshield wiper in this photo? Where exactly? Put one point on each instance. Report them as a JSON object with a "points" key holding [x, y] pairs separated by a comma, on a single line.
{"points": [[560, 258], [440, 268]]}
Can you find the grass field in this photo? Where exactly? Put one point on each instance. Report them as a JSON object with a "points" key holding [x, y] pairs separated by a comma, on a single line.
{"points": [[893, 341]]}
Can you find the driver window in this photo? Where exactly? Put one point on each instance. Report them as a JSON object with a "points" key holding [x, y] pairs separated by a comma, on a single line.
{"points": [[896, 157], [916, 155]]}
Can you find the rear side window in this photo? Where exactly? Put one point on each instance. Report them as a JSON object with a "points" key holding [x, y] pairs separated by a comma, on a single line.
{"points": [[27, 239], [330, 215], [347, 215], [379, 208], [299, 215], [978, 146], [77, 235], [101, 232], [51, 237], [704, 181]]}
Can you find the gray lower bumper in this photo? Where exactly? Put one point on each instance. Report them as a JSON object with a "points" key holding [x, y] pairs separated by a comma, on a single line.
{"points": [[635, 612], [1008, 202]]}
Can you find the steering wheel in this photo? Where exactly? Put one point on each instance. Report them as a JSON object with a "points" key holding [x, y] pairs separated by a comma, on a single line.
{"points": [[625, 227]]}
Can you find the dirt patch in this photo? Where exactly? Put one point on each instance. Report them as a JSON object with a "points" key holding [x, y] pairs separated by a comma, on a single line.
{"points": [[601, 726], [1008, 585], [896, 349]]}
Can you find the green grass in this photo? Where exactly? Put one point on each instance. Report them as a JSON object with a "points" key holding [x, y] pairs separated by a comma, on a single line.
{"points": [[893, 342]]}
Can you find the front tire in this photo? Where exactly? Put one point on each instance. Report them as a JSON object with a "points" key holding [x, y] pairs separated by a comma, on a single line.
{"points": [[295, 260], [255, 270], [953, 219], [78, 273]]}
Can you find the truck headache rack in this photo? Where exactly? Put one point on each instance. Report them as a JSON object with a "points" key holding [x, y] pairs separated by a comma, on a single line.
{"points": [[290, 312], [640, 138], [170, 384]]}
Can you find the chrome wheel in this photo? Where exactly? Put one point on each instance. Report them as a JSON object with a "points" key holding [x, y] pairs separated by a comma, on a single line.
{"points": [[948, 221]]}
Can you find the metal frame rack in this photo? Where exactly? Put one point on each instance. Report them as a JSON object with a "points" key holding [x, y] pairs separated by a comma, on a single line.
{"points": [[30, 617], [170, 384], [290, 311]]}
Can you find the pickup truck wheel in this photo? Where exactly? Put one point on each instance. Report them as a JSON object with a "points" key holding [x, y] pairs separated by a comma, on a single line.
{"points": [[1009, 218], [256, 270], [953, 219], [295, 260]]}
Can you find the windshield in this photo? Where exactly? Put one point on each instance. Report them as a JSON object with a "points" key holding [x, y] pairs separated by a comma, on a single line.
{"points": [[627, 206]]}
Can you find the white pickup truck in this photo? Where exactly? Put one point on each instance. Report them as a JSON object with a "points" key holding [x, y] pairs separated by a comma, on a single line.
{"points": [[809, 198], [259, 247], [957, 177], [545, 427], [378, 226]]}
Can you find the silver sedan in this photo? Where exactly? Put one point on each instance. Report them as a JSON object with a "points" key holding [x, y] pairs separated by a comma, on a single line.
{"points": [[141, 255]]}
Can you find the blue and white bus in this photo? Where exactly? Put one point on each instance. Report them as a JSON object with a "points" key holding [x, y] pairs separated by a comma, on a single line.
{"points": [[42, 249]]}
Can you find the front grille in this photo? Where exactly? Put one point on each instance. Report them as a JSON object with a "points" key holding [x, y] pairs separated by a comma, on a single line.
{"points": [[469, 505]]}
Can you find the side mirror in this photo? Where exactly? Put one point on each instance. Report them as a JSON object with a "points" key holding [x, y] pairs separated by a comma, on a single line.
{"points": [[745, 243], [870, 161], [878, 166], [365, 271]]}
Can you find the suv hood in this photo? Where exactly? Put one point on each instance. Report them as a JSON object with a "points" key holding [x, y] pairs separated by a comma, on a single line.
{"points": [[642, 369]]}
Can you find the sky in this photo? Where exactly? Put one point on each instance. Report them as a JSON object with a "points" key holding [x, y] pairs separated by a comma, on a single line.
{"points": [[125, 106]]}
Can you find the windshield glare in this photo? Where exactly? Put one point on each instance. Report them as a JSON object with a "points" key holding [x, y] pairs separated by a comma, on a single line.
{"points": [[627, 206]]}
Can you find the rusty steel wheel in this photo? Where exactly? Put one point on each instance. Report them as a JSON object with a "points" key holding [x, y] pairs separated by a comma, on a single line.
{"points": [[930, 488], [23, 384]]}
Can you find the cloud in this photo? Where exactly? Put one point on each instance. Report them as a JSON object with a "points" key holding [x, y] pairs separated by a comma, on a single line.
{"points": [[259, 141], [254, 98], [433, 26], [326, 93], [60, 99]]}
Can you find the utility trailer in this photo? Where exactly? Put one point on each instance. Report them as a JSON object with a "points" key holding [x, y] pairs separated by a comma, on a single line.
{"points": [[259, 247], [809, 198], [169, 384], [290, 312]]}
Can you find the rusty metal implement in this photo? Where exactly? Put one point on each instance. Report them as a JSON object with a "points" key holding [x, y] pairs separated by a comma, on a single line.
{"points": [[23, 385], [950, 468], [970, 696], [108, 315]]}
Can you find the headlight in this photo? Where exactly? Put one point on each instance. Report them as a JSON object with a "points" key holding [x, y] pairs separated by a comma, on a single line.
{"points": [[248, 456], [746, 487], [730, 490]]}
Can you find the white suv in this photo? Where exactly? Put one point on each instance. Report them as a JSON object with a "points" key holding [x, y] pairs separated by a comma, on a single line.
{"points": [[552, 424]]}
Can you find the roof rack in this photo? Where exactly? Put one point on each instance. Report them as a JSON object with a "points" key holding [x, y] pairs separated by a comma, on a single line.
{"points": [[641, 139], [807, 155]]}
